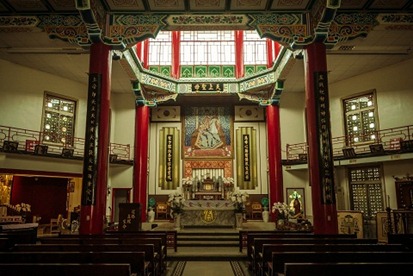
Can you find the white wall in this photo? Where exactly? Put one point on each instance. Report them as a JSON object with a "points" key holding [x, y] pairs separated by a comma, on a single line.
{"points": [[292, 118], [394, 88], [22, 90]]}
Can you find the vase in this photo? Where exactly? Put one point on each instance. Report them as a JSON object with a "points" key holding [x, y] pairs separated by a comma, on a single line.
{"points": [[265, 215], [151, 215], [238, 220], [177, 221]]}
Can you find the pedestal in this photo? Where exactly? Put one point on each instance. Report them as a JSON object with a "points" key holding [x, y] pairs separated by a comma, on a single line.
{"points": [[239, 218], [177, 221], [151, 215], [265, 216]]}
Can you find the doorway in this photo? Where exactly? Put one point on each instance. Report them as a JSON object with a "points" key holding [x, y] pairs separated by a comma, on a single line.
{"points": [[119, 195]]}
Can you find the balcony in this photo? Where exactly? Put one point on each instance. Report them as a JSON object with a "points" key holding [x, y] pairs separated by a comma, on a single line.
{"points": [[25, 141], [386, 142]]}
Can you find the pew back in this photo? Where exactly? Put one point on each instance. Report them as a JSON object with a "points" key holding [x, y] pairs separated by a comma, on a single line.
{"points": [[64, 269], [136, 260], [345, 269], [279, 259]]}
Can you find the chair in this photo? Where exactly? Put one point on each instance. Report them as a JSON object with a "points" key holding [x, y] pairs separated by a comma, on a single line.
{"points": [[256, 209], [54, 226], [161, 210]]}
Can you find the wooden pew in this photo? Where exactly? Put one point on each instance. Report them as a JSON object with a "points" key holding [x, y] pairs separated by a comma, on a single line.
{"points": [[267, 249], [116, 237], [243, 235], [150, 255], [158, 245], [158, 242], [253, 235], [4, 244], [64, 269], [279, 259], [256, 247], [171, 236], [345, 269], [136, 260]]}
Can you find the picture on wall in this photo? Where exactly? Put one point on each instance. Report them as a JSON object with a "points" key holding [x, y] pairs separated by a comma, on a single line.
{"points": [[296, 201], [207, 132]]}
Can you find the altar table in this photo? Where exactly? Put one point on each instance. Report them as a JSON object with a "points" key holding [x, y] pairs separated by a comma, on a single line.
{"points": [[216, 213]]}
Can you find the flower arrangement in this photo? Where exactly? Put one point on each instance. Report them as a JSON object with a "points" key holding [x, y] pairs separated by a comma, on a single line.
{"points": [[176, 201], [187, 181], [282, 209], [239, 198], [21, 208]]}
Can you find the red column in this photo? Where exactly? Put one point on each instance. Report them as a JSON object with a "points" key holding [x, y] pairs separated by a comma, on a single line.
{"points": [[277, 48], [145, 57], [320, 160], [139, 48], [239, 54], [140, 169], [274, 154], [93, 209], [270, 57], [176, 43]]}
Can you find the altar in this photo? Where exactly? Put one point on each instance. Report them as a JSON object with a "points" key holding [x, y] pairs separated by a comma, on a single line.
{"points": [[215, 213]]}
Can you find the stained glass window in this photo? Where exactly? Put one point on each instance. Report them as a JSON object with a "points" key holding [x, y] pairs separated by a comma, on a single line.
{"points": [[255, 48], [360, 118], [58, 119], [207, 47], [366, 190], [160, 49]]}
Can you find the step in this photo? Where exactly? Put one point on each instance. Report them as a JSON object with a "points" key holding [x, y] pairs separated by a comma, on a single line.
{"points": [[208, 244], [207, 238], [203, 253]]}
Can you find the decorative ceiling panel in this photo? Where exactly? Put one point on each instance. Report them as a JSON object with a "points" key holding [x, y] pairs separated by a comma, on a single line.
{"points": [[290, 4], [207, 5], [166, 5], [248, 5], [28, 5], [63, 5], [353, 4], [3, 8], [388, 4], [126, 5]]}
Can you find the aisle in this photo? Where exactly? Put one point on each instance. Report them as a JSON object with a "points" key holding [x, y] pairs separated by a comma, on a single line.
{"points": [[207, 268]]}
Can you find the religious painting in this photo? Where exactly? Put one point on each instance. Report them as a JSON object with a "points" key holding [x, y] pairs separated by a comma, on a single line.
{"points": [[207, 132], [350, 222], [296, 201]]}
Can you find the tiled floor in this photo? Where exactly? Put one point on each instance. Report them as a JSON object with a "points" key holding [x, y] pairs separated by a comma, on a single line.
{"points": [[210, 260]]}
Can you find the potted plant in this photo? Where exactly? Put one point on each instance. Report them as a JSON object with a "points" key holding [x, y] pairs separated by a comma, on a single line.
{"points": [[239, 198], [176, 203], [282, 210]]}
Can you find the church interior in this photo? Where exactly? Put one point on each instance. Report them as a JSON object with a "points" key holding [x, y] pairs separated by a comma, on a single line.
{"points": [[291, 115]]}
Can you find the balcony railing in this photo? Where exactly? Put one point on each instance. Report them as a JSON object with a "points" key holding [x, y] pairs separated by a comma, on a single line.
{"points": [[391, 140], [30, 141]]}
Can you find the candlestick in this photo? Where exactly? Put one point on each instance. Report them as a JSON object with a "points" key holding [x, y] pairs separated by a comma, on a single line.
{"points": [[388, 201]]}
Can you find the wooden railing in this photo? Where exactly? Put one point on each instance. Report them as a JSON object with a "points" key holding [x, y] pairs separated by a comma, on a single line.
{"points": [[391, 139], [25, 141]]}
